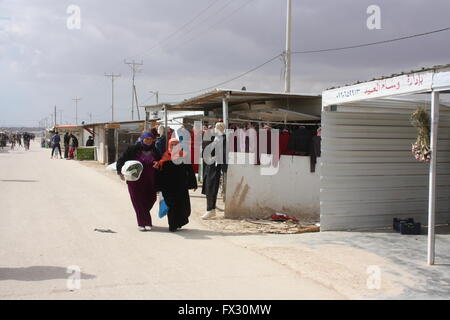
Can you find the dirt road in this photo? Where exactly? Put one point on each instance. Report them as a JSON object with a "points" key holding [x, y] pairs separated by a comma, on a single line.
{"points": [[49, 209]]}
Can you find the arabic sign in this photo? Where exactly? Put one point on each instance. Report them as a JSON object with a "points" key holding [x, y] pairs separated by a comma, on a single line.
{"points": [[410, 83]]}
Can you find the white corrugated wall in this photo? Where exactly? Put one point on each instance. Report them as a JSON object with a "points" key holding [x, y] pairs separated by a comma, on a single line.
{"points": [[368, 173]]}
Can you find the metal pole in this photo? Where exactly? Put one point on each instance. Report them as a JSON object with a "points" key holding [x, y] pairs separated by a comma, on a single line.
{"points": [[112, 98], [432, 178], [166, 129], [287, 75], [225, 110], [132, 99], [76, 109], [137, 104], [133, 65], [147, 117], [112, 75]]}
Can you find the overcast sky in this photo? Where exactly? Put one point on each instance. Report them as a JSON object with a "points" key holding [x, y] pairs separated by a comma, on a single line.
{"points": [[190, 45]]}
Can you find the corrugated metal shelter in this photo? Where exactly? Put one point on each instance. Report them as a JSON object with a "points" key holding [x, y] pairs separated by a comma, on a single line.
{"points": [[368, 173]]}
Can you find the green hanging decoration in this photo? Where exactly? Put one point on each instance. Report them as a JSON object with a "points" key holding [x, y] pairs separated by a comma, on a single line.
{"points": [[421, 148]]}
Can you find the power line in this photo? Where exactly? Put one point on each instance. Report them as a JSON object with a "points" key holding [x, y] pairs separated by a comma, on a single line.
{"points": [[372, 43], [215, 14], [311, 51], [224, 82], [76, 109], [134, 67], [112, 75], [159, 43], [210, 28]]}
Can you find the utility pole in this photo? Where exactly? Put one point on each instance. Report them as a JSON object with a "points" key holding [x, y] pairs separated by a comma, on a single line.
{"points": [[90, 117], [287, 71], [156, 93], [55, 116], [60, 116], [76, 109], [133, 65], [112, 75]]}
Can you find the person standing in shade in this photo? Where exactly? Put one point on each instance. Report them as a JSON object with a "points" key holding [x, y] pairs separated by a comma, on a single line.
{"points": [[90, 142], [73, 146], [143, 191], [215, 165], [161, 141], [66, 145], [174, 179], [56, 140]]}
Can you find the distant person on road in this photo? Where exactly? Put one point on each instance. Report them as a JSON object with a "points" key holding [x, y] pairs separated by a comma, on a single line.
{"points": [[90, 142], [73, 146], [174, 179], [26, 140], [56, 140], [143, 191], [66, 145], [13, 141], [19, 139]]}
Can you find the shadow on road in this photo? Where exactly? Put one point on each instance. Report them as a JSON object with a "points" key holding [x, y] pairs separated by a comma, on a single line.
{"points": [[19, 180], [38, 273], [196, 234]]}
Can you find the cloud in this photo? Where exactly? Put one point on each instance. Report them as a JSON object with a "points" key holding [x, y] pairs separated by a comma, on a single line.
{"points": [[44, 63]]}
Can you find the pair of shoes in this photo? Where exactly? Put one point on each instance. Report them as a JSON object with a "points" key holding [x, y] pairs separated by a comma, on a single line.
{"points": [[172, 229], [141, 228], [209, 214], [148, 228]]}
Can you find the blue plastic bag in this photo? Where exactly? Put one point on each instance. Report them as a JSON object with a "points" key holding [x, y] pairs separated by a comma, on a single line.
{"points": [[163, 208]]}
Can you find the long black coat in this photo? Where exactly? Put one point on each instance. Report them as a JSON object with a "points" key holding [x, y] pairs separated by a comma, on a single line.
{"points": [[212, 172], [174, 181]]}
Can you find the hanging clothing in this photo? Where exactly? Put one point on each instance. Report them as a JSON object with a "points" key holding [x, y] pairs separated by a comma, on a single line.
{"points": [[143, 191], [283, 142], [195, 166], [300, 141], [315, 152]]}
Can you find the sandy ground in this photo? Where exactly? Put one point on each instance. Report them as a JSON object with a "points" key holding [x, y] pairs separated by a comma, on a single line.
{"points": [[50, 209]]}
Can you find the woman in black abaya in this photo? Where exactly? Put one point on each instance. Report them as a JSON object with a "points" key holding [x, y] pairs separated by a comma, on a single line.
{"points": [[174, 179]]}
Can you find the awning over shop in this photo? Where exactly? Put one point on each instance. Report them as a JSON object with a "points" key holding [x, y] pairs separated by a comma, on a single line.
{"points": [[242, 105]]}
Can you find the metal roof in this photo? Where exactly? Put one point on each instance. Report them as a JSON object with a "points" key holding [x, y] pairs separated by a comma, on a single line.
{"points": [[213, 99], [110, 122]]}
